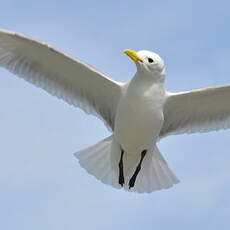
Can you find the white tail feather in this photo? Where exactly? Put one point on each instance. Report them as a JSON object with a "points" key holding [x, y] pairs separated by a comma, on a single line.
{"points": [[96, 160], [154, 174]]}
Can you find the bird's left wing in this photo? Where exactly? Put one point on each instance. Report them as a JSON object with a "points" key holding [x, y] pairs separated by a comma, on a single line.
{"points": [[200, 110], [60, 75]]}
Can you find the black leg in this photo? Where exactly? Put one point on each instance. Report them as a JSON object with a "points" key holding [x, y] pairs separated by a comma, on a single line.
{"points": [[138, 168], [121, 172]]}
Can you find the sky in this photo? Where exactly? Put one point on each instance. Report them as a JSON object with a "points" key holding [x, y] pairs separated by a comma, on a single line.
{"points": [[42, 186]]}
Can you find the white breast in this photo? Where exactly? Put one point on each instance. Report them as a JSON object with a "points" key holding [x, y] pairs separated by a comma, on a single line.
{"points": [[139, 116]]}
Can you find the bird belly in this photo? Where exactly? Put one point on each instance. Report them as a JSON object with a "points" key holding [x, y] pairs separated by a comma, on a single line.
{"points": [[137, 124]]}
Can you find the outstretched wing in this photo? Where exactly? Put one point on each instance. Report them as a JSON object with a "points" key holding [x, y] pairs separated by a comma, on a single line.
{"points": [[200, 110], [60, 75]]}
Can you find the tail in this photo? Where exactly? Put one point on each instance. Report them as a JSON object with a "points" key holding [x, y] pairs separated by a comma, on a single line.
{"points": [[154, 174], [97, 162]]}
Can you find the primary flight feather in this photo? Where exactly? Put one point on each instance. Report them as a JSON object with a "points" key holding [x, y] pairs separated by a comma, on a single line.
{"points": [[137, 112]]}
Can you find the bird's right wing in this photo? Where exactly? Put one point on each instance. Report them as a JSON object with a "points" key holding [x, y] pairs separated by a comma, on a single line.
{"points": [[60, 75], [200, 110]]}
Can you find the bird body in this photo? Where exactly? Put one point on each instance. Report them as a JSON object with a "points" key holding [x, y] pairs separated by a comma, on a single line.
{"points": [[138, 121], [138, 113]]}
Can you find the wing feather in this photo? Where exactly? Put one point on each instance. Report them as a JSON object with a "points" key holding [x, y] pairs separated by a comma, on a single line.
{"points": [[200, 110], [60, 75]]}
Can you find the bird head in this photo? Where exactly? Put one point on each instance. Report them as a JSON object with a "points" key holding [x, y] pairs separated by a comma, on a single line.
{"points": [[148, 63]]}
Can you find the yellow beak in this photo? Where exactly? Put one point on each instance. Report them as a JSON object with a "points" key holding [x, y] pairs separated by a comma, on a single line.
{"points": [[133, 55]]}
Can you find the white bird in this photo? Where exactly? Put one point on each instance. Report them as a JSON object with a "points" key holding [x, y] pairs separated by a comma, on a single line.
{"points": [[138, 112]]}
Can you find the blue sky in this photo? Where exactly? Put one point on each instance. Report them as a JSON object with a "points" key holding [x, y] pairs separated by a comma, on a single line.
{"points": [[43, 186]]}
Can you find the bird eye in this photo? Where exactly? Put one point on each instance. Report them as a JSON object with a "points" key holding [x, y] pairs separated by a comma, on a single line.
{"points": [[150, 60]]}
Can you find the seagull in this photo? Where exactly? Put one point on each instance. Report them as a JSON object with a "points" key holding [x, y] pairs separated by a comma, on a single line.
{"points": [[138, 113]]}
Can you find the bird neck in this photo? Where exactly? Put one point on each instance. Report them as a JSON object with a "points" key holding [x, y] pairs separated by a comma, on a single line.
{"points": [[150, 77], [146, 82]]}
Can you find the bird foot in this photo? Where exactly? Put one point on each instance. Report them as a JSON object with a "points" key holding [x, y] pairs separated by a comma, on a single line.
{"points": [[138, 168], [121, 170]]}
